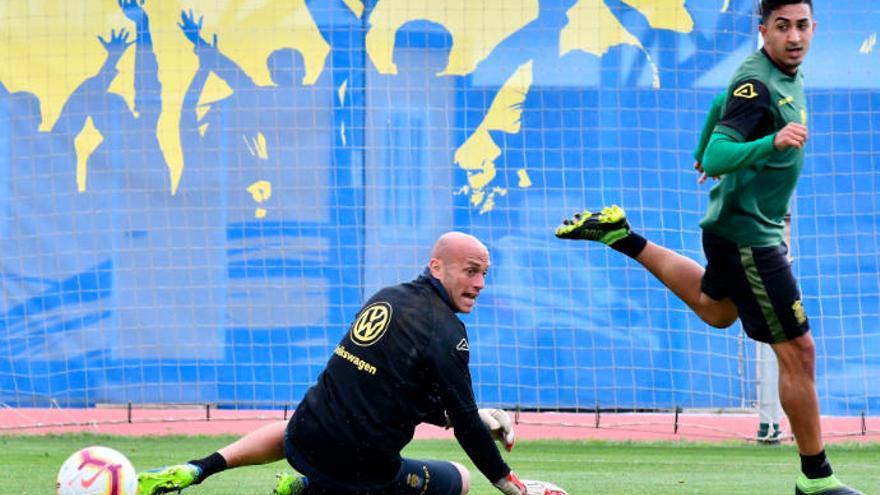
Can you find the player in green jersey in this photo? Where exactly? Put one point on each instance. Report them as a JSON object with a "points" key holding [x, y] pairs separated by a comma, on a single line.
{"points": [[753, 142]]}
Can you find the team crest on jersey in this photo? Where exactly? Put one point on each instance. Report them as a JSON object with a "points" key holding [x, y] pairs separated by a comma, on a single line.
{"points": [[416, 481], [747, 91], [371, 324], [413, 480]]}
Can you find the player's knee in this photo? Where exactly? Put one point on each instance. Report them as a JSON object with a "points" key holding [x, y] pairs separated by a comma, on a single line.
{"points": [[719, 319], [805, 353], [718, 314], [465, 478], [797, 356]]}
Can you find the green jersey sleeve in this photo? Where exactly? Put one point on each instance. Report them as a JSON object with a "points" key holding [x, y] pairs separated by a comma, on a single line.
{"points": [[709, 125], [725, 155]]}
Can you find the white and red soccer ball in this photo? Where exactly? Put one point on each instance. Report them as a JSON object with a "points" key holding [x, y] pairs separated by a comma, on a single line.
{"points": [[96, 471]]}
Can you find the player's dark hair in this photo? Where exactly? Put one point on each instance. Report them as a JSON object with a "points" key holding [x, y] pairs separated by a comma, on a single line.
{"points": [[768, 6]]}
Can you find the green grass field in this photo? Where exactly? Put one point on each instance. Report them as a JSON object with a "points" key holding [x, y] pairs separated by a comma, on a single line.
{"points": [[30, 463]]}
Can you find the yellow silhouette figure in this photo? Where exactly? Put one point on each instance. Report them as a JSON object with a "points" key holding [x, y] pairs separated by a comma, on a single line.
{"points": [[514, 61], [261, 191], [251, 32], [477, 155]]}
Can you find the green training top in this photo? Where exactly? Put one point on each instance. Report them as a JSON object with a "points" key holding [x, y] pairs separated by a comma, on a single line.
{"points": [[750, 201]]}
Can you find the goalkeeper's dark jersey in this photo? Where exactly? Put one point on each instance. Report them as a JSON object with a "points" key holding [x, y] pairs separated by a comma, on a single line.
{"points": [[404, 361]]}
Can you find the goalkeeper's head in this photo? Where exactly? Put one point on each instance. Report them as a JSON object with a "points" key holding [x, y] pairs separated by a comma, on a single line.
{"points": [[460, 262]]}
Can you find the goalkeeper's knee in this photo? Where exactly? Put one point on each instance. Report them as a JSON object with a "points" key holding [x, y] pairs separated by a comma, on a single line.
{"points": [[465, 478]]}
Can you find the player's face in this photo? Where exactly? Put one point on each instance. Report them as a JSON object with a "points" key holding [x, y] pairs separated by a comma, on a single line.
{"points": [[787, 34], [463, 277]]}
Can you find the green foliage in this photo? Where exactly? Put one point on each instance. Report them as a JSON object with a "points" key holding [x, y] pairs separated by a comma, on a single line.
{"points": [[30, 464]]}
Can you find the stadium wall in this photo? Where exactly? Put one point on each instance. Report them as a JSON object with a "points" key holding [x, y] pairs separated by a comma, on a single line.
{"points": [[177, 229]]}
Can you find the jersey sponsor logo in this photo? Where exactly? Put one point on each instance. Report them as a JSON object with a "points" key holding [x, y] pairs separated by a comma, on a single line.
{"points": [[785, 101], [799, 314], [357, 362], [371, 324], [746, 91], [463, 345]]}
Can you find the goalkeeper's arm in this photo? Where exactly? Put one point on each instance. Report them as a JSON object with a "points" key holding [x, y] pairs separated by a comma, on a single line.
{"points": [[475, 439], [450, 369]]}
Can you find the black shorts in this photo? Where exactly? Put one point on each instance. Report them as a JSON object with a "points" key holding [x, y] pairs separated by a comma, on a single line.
{"points": [[760, 283], [414, 477]]}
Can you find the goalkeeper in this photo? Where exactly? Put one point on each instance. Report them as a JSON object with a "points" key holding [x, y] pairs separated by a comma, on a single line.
{"points": [[404, 361], [754, 139]]}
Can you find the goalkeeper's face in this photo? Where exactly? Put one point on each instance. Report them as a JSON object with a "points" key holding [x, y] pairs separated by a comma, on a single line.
{"points": [[461, 267]]}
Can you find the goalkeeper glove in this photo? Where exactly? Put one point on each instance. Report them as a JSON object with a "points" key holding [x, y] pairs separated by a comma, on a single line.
{"points": [[542, 488], [511, 485], [499, 424]]}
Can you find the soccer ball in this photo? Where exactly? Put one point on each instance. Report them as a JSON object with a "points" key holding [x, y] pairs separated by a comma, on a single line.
{"points": [[96, 471]]}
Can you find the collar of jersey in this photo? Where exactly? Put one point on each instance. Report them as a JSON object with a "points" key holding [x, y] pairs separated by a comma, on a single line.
{"points": [[435, 283], [778, 67]]}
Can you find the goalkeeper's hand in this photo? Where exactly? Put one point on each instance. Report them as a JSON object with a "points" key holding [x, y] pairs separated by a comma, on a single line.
{"points": [[499, 424], [511, 485]]}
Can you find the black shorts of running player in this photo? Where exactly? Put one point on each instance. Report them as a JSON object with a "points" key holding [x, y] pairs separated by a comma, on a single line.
{"points": [[415, 477], [760, 283]]}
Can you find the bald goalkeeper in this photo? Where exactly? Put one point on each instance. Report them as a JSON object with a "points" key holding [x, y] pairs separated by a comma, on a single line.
{"points": [[404, 361]]}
